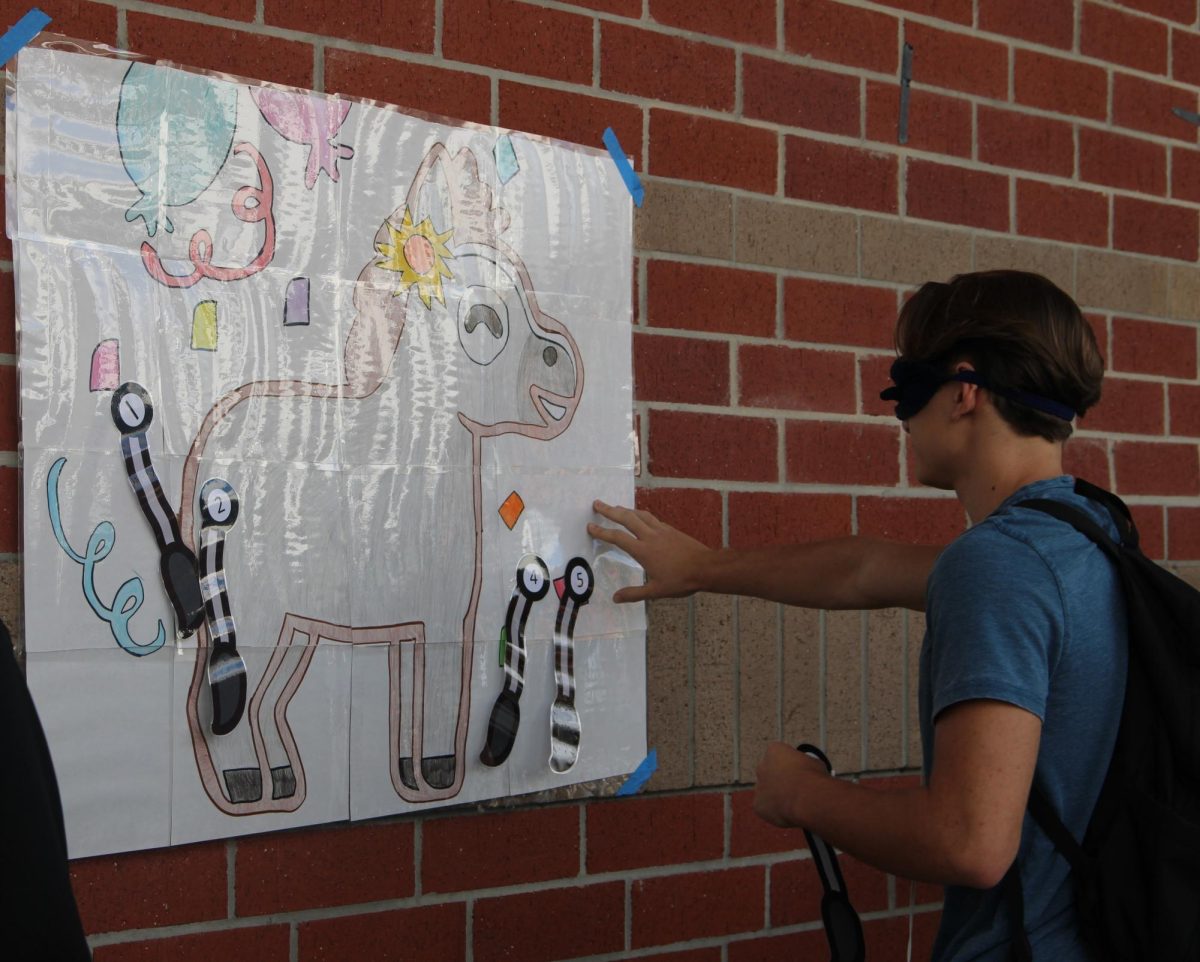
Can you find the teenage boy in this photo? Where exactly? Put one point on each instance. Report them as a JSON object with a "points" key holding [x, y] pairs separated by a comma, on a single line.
{"points": [[1022, 667]]}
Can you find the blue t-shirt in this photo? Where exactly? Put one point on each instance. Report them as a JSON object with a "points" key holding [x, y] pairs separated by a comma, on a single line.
{"points": [[1024, 609]]}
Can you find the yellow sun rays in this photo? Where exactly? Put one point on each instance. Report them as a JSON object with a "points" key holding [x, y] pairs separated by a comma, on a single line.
{"points": [[418, 253]]}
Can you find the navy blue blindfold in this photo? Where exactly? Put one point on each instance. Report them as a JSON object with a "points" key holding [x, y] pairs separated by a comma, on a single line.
{"points": [[916, 382]]}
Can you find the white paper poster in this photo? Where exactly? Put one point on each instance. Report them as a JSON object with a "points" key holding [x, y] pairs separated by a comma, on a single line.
{"points": [[315, 399]]}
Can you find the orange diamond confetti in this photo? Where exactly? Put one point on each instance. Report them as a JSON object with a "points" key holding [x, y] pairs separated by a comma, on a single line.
{"points": [[510, 511]]}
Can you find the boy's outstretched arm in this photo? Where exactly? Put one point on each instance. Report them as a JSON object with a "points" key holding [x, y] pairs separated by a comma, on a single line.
{"points": [[855, 572]]}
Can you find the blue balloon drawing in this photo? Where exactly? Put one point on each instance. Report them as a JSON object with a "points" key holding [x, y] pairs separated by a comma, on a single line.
{"points": [[175, 130]]}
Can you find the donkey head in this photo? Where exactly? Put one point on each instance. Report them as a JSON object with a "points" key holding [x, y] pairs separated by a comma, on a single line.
{"points": [[470, 291]]}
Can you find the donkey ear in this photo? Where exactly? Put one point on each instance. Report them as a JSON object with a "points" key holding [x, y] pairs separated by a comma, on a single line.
{"points": [[431, 194]]}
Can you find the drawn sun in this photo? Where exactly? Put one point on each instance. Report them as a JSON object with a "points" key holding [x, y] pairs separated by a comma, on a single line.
{"points": [[418, 253]]}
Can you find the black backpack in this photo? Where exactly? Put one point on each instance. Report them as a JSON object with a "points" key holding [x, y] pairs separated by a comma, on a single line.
{"points": [[1137, 871]]}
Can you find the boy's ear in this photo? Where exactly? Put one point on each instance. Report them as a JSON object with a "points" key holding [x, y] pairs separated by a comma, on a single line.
{"points": [[966, 396]]}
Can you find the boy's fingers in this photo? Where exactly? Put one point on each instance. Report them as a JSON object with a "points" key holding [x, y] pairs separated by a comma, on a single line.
{"points": [[622, 516], [633, 593], [614, 536]]}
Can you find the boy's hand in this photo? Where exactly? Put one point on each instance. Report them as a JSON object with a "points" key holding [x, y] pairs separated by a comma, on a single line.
{"points": [[671, 559], [782, 774]]}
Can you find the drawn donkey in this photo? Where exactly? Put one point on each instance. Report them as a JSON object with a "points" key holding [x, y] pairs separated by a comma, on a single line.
{"points": [[448, 348]]}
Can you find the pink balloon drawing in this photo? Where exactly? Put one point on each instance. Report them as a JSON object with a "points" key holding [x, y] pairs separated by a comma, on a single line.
{"points": [[304, 119]]}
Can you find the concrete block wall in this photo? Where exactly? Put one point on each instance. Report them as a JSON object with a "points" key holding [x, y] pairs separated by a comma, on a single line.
{"points": [[782, 228]]}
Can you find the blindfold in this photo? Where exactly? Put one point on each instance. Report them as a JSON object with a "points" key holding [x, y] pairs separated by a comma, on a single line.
{"points": [[916, 382]]}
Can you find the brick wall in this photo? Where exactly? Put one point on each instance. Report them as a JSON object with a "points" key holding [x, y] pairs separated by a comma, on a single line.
{"points": [[783, 225]]}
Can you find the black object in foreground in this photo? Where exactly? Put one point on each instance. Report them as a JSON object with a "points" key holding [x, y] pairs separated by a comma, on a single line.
{"points": [[842, 927]]}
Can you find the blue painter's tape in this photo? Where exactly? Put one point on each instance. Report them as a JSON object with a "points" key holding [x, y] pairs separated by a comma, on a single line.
{"points": [[24, 30], [640, 775], [628, 174]]}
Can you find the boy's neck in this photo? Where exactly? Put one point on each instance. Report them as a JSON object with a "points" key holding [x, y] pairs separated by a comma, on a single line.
{"points": [[1004, 466]]}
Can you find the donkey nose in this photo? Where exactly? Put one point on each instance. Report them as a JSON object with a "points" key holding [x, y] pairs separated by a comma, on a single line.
{"points": [[550, 356]]}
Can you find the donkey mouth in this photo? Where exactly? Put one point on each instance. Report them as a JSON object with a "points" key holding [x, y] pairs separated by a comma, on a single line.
{"points": [[556, 411]]}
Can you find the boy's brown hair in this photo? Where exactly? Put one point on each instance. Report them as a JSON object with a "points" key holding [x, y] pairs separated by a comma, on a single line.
{"points": [[1019, 330]]}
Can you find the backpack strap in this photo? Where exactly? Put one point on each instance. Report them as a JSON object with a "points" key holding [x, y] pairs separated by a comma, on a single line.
{"points": [[1117, 509], [1083, 524]]}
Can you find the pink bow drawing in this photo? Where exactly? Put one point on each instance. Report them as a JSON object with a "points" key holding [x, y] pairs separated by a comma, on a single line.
{"points": [[304, 119]]}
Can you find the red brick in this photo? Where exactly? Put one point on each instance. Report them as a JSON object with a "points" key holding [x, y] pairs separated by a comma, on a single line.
{"points": [[811, 944], [750, 835], [518, 37], [936, 122], [399, 935], [1183, 11], [711, 954], [1062, 213], [701, 297], [1127, 407], [834, 313], [840, 33], [6, 251], [570, 116], [874, 376], [841, 175], [8, 313], [1183, 527], [958, 61], [1165, 230], [8, 407], [1051, 24], [767, 517], [796, 891], [267, 943], [479, 851], [318, 868], [798, 379], [1087, 458], [1151, 347], [449, 93], [654, 830], [956, 11], [687, 445], [1011, 139], [229, 9], [800, 96], [747, 22], [1117, 37], [626, 8], [914, 520], [1099, 326], [830, 452], [694, 511], [1120, 161], [687, 370], [721, 152], [957, 195], [1185, 174], [532, 926], [1185, 57], [87, 21], [683, 907], [239, 52], [141, 890], [403, 26], [1146, 105], [1148, 519], [1062, 85], [1149, 467], [656, 65], [1184, 402]]}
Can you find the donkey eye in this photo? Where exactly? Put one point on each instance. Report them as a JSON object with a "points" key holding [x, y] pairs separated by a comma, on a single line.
{"points": [[482, 324]]}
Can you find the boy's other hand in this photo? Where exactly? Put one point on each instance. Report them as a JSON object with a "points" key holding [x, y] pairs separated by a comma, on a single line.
{"points": [[671, 559]]}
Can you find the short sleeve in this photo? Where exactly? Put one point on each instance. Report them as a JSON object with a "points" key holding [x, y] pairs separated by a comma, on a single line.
{"points": [[996, 623]]}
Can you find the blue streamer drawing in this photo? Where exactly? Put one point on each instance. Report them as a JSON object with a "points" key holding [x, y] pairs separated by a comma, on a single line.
{"points": [[175, 130], [129, 596]]}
